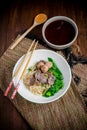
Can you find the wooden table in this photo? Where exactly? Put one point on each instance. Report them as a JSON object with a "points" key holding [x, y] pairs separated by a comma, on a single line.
{"points": [[16, 16]]}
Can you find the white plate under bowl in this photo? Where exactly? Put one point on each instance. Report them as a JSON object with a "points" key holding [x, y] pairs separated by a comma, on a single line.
{"points": [[43, 54]]}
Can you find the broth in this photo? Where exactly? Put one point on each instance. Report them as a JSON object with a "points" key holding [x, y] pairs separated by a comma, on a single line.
{"points": [[60, 32]]}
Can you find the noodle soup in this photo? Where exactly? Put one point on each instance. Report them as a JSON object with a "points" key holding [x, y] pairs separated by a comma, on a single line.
{"points": [[44, 78]]}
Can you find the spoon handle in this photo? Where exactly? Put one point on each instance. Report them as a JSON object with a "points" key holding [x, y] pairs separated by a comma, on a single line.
{"points": [[15, 43]]}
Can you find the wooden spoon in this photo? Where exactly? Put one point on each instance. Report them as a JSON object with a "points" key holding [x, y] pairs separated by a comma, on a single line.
{"points": [[39, 19]]}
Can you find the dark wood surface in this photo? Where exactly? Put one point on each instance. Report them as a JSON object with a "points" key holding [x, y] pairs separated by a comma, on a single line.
{"points": [[18, 15]]}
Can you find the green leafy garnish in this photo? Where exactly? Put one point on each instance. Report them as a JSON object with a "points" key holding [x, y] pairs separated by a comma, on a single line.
{"points": [[58, 84], [43, 85], [32, 68], [29, 69]]}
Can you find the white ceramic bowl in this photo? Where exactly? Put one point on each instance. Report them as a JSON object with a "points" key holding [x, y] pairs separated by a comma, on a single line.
{"points": [[55, 18], [62, 64]]}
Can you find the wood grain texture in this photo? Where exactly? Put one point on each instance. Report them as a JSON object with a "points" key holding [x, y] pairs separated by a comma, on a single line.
{"points": [[17, 15], [66, 113]]}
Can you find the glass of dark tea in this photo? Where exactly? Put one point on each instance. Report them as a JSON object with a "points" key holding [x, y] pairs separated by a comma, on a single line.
{"points": [[59, 32]]}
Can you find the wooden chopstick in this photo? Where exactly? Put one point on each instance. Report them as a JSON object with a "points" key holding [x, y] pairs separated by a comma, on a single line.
{"points": [[29, 60], [26, 66], [18, 70]]}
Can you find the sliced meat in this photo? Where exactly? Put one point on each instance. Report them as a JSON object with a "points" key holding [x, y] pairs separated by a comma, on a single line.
{"points": [[37, 74], [47, 78], [37, 83], [32, 81], [41, 77], [51, 79]]}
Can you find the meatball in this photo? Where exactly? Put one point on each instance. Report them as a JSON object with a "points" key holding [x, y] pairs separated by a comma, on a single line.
{"points": [[49, 64], [44, 68], [39, 64]]}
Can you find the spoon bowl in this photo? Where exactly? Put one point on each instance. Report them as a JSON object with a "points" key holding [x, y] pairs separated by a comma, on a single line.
{"points": [[39, 19]]}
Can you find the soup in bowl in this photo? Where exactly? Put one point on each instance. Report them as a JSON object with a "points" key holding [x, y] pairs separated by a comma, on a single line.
{"points": [[60, 32]]}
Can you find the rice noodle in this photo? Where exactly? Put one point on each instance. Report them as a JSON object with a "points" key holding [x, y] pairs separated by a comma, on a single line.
{"points": [[36, 88]]}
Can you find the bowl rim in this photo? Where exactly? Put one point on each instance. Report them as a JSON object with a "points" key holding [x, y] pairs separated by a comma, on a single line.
{"points": [[54, 18]]}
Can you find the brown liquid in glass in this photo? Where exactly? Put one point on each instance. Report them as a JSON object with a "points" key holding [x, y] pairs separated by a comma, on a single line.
{"points": [[60, 32]]}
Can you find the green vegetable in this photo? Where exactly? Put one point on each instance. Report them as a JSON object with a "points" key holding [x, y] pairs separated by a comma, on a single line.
{"points": [[32, 68], [43, 85], [54, 66], [58, 84], [29, 69]]}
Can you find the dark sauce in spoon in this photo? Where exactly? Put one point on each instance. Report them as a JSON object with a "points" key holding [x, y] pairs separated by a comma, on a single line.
{"points": [[60, 32]]}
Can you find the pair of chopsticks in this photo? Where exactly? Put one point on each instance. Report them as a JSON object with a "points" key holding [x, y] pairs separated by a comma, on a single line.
{"points": [[22, 68]]}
